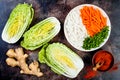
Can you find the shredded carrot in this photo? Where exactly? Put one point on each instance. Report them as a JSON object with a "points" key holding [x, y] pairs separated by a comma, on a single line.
{"points": [[93, 20]]}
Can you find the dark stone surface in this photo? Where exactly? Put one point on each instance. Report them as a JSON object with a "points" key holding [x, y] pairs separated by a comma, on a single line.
{"points": [[59, 9]]}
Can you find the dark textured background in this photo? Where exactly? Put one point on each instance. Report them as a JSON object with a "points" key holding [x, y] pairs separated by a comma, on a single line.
{"points": [[59, 9]]}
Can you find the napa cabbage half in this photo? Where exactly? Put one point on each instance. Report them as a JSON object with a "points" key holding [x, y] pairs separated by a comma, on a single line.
{"points": [[61, 59], [41, 33], [19, 20]]}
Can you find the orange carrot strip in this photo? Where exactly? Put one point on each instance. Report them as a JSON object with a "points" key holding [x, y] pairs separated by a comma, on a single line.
{"points": [[93, 20]]}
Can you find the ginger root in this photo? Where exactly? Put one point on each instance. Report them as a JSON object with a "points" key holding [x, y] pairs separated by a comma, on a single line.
{"points": [[18, 58]]}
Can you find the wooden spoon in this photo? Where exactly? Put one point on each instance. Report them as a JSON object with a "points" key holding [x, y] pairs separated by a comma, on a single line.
{"points": [[98, 65]]}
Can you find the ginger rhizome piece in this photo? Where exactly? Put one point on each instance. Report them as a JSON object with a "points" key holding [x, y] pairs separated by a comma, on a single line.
{"points": [[18, 58]]}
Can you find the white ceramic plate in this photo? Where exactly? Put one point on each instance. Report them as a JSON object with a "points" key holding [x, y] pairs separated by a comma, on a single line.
{"points": [[74, 35]]}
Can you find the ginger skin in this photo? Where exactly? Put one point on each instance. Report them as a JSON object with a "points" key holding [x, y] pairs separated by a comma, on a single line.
{"points": [[18, 58]]}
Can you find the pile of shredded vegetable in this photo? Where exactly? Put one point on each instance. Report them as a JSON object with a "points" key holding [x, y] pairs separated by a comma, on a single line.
{"points": [[93, 20], [96, 40]]}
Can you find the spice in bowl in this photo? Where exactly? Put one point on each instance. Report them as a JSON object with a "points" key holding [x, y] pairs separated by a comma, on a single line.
{"points": [[105, 59], [102, 61]]}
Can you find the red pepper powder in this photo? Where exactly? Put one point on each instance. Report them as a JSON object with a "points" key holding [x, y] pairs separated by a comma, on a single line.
{"points": [[103, 56], [90, 74]]}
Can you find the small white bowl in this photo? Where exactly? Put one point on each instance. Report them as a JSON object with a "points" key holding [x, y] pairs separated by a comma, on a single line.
{"points": [[74, 35]]}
